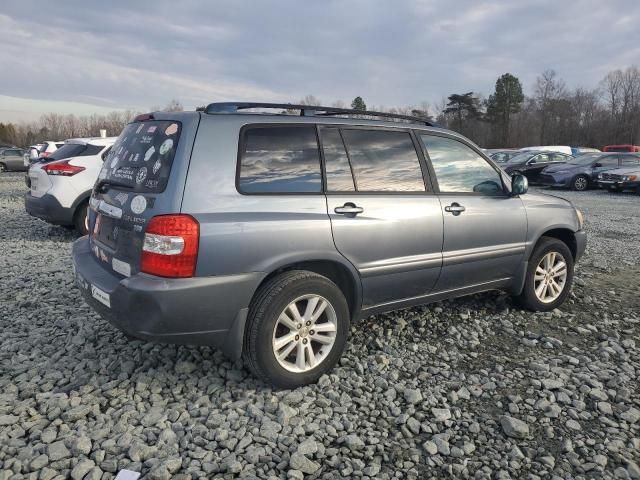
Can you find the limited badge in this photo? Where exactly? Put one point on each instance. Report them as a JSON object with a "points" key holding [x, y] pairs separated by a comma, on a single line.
{"points": [[141, 175], [166, 146], [156, 166], [171, 129], [150, 151], [138, 204]]}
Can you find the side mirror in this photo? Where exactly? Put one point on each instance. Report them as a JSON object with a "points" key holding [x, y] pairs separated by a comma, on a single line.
{"points": [[519, 185], [596, 165]]}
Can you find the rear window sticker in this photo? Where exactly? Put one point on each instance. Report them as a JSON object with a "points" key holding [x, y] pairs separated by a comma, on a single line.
{"points": [[171, 129], [166, 146], [136, 158], [146, 139], [114, 161], [151, 129], [139, 128], [115, 232], [149, 153], [137, 228], [156, 166], [126, 173], [151, 183], [138, 204], [141, 175], [122, 198]]}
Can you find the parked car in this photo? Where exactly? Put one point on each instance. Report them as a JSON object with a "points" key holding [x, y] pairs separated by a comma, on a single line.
{"points": [[502, 155], [575, 151], [31, 154], [48, 148], [582, 172], [11, 159], [550, 148], [621, 148], [60, 185], [255, 233], [531, 163], [620, 179]]}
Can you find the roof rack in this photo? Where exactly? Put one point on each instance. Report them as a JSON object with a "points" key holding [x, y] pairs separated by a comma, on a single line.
{"points": [[309, 110]]}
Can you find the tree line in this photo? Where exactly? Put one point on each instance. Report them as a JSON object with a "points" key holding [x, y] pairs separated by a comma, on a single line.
{"points": [[553, 114]]}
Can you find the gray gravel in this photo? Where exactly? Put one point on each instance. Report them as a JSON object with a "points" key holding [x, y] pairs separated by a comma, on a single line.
{"points": [[471, 388]]}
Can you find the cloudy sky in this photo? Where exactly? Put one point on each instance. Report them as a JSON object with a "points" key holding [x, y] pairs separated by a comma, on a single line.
{"points": [[82, 56]]}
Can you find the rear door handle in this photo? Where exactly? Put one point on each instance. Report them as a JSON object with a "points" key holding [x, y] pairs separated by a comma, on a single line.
{"points": [[454, 208], [349, 209]]}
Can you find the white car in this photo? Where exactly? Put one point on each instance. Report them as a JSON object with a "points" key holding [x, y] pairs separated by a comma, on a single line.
{"points": [[551, 148], [60, 185]]}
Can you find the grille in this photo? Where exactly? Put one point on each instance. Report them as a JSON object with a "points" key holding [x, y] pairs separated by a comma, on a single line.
{"points": [[611, 176]]}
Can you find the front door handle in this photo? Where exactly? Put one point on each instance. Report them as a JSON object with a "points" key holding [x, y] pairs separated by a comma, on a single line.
{"points": [[349, 209], [454, 208]]}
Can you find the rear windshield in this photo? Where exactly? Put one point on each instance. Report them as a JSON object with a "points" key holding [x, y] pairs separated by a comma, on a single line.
{"points": [[69, 150], [142, 156]]}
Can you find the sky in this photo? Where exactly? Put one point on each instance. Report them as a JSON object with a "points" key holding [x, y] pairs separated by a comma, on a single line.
{"points": [[81, 56]]}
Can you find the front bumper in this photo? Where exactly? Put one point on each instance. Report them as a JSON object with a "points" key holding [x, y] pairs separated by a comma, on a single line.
{"points": [[619, 184], [549, 180], [581, 243], [196, 311], [48, 208]]}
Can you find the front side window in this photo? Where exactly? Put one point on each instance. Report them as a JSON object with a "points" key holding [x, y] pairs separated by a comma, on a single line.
{"points": [[383, 161], [630, 160], [459, 169], [280, 159], [610, 162]]}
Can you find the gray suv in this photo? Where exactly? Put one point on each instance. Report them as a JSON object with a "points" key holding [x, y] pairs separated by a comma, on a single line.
{"points": [[267, 235]]}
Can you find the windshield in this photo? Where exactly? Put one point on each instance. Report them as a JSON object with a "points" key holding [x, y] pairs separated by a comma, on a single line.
{"points": [[522, 157]]}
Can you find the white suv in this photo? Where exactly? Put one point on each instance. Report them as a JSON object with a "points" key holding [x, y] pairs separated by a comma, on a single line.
{"points": [[60, 185]]}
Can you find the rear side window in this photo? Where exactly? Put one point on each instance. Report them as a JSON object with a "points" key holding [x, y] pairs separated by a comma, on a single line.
{"points": [[336, 162], [279, 159], [383, 161], [75, 150], [142, 156]]}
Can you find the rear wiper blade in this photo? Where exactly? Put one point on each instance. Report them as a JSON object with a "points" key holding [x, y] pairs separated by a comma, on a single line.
{"points": [[99, 187]]}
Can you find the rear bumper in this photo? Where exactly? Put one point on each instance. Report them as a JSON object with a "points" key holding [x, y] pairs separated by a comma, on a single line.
{"points": [[197, 311], [581, 243], [48, 208]]}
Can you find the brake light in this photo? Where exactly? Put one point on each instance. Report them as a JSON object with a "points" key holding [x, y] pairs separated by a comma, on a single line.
{"points": [[62, 168], [170, 247]]}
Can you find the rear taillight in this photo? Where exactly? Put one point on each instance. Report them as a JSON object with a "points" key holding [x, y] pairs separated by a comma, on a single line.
{"points": [[62, 168], [170, 246], [45, 154]]}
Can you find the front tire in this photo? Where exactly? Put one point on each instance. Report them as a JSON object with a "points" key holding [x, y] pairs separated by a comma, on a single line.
{"points": [[580, 183], [549, 276], [297, 329]]}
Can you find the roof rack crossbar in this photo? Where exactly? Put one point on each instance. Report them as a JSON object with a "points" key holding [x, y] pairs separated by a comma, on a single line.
{"points": [[309, 110]]}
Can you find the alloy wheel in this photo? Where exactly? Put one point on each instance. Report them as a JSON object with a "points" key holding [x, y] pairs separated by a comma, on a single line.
{"points": [[305, 333], [550, 277], [580, 183]]}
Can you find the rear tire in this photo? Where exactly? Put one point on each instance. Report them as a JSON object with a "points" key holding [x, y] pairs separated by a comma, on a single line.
{"points": [[580, 183], [273, 343], [80, 219], [540, 292]]}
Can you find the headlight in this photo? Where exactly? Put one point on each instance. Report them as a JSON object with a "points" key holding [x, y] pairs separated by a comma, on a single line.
{"points": [[580, 218], [600, 176], [630, 178]]}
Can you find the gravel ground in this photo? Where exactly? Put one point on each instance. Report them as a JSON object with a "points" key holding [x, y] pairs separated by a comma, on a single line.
{"points": [[471, 388]]}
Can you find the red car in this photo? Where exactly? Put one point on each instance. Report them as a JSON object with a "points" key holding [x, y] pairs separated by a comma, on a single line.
{"points": [[621, 148]]}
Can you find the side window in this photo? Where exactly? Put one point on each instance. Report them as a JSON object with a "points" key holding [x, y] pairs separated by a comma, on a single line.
{"points": [[559, 157], [609, 161], [630, 160], [542, 158], [336, 162], [459, 169], [383, 161], [280, 159]]}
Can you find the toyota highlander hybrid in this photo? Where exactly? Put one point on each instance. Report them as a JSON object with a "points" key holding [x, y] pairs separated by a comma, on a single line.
{"points": [[266, 236]]}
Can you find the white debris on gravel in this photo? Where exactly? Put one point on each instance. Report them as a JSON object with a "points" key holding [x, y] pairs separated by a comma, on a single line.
{"points": [[471, 388]]}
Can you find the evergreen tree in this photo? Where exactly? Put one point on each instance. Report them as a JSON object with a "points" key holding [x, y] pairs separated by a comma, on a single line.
{"points": [[505, 101], [358, 104]]}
